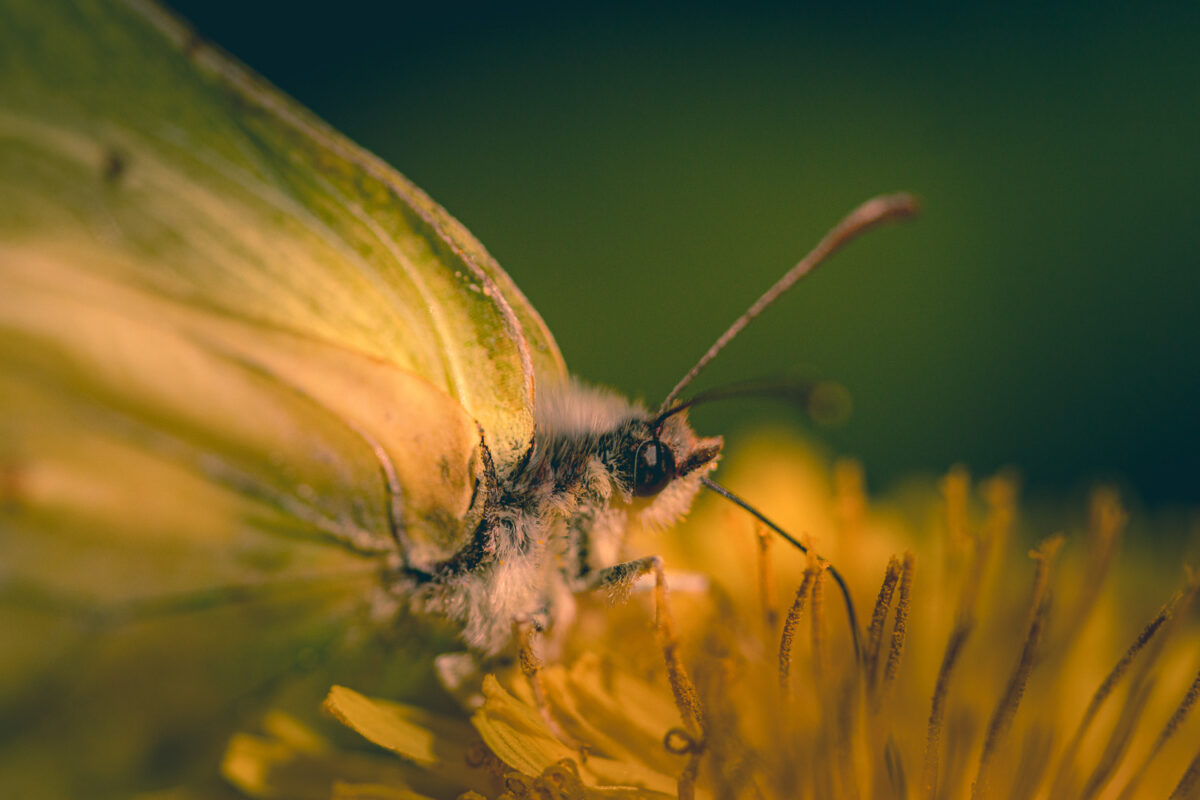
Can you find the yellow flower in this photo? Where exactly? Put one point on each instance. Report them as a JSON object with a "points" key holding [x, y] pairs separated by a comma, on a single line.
{"points": [[978, 672]]}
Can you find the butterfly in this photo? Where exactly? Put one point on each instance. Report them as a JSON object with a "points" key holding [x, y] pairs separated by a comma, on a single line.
{"points": [[270, 414]]}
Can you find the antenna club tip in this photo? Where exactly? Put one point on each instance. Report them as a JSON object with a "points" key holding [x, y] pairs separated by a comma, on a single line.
{"points": [[903, 204], [899, 205]]}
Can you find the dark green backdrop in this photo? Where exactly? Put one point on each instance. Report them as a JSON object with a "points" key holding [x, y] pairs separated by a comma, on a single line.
{"points": [[644, 175]]}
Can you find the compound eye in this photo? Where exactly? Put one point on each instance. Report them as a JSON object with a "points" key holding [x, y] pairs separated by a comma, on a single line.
{"points": [[653, 468]]}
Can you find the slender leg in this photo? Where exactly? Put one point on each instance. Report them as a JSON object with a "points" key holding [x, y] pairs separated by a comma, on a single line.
{"points": [[531, 666], [619, 579]]}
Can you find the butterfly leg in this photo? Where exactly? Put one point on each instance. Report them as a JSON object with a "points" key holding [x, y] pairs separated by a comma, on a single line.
{"points": [[619, 580], [531, 667]]}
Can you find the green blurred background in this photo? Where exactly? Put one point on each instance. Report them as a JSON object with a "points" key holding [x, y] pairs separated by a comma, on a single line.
{"points": [[644, 174]]}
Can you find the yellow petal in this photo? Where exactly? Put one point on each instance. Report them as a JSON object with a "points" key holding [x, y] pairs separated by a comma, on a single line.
{"points": [[400, 728], [253, 765], [515, 733]]}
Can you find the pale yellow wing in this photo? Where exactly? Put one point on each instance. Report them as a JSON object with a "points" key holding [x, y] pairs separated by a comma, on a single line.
{"points": [[244, 371]]}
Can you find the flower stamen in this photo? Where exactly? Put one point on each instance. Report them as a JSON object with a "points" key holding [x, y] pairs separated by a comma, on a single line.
{"points": [[766, 577], [1177, 718], [790, 622], [1063, 777], [900, 621], [1006, 709], [883, 604]]}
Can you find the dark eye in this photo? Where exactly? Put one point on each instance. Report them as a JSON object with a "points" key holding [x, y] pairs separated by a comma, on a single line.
{"points": [[653, 468]]}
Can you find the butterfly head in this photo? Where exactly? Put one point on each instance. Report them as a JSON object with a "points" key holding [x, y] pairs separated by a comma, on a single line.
{"points": [[659, 464], [655, 455], [591, 437]]}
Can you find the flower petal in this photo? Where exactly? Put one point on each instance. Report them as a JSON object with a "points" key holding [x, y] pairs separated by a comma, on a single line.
{"points": [[515, 732]]}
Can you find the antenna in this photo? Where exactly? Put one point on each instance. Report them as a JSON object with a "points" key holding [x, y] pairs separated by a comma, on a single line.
{"points": [[851, 617], [795, 389], [875, 211]]}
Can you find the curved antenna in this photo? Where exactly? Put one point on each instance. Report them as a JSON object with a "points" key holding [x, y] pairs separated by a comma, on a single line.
{"points": [[851, 617], [799, 390], [875, 211]]}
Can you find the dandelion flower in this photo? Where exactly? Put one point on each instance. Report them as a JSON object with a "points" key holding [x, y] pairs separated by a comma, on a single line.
{"points": [[995, 660]]}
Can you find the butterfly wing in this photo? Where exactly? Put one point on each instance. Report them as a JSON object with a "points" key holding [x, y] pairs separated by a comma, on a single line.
{"points": [[245, 372]]}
